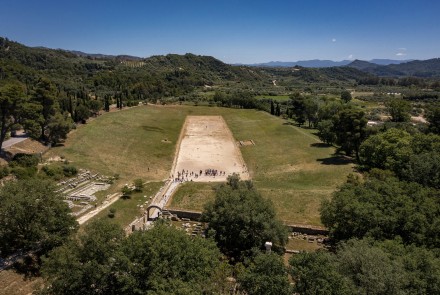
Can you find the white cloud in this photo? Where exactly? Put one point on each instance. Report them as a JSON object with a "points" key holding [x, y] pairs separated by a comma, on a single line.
{"points": [[334, 40], [351, 56], [401, 51]]}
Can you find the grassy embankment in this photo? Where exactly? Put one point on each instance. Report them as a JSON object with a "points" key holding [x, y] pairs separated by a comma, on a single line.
{"points": [[288, 164]]}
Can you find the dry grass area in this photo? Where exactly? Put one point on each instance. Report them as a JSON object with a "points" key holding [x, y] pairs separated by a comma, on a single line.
{"points": [[28, 146], [12, 283]]}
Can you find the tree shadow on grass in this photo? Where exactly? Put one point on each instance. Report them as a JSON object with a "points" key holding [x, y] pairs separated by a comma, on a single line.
{"points": [[58, 144], [320, 145], [336, 160], [152, 128], [28, 265], [291, 124]]}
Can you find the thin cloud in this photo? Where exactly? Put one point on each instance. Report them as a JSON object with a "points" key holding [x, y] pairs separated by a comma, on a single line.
{"points": [[351, 56], [401, 51], [333, 39]]}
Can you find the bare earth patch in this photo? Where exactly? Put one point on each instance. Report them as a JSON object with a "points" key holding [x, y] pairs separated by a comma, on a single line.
{"points": [[207, 143], [28, 146]]}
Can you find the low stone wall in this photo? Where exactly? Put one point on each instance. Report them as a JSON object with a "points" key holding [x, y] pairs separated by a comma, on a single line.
{"points": [[192, 215], [308, 229], [304, 229]]}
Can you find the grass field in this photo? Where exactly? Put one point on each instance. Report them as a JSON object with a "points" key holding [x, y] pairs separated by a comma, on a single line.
{"points": [[126, 210], [288, 164]]}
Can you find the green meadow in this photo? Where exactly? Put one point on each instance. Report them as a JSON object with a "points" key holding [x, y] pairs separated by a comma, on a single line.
{"points": [[288, 164]]}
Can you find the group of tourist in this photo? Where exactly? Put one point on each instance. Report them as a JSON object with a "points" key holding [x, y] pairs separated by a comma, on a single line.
{"points": [[186, 175]]}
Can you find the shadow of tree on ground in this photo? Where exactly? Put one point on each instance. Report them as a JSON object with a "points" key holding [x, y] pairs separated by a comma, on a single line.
{"points": [[320, 145], [336, 160]]}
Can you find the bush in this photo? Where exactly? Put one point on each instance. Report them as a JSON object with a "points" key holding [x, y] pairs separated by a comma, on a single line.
{"points": [[4, 171], [111, 213], [24, 160], [69, 170], [138, 185], [126, 192], [55, 172]]}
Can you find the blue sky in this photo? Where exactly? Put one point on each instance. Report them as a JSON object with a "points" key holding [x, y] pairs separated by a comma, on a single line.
{"points": [[234, 31]]}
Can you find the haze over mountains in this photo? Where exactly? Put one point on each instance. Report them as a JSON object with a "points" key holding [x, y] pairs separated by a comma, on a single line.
{"points": [[319, 63], [380, 67], [314, 63]]}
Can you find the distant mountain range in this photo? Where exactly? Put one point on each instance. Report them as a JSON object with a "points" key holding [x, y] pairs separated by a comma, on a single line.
{"points": [[319, 63], [380, 67], [417, 68]]}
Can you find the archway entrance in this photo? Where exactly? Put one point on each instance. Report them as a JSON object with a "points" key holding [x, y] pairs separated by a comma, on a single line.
{"points": [[152, 207]]}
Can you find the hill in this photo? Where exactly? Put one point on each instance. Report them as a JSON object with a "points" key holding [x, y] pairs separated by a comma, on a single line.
{"points": [[417, 68], [154, 77], [168, 75], [318, 63], [338, 75]]}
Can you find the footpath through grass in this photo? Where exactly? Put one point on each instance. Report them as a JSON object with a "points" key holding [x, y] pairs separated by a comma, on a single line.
{"points": [[288, 164]]}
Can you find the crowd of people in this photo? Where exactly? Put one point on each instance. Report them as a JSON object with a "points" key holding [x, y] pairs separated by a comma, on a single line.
{"points": [[186, 175]]}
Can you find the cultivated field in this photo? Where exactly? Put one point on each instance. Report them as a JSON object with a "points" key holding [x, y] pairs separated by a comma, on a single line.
{"points": [[287, 164]]}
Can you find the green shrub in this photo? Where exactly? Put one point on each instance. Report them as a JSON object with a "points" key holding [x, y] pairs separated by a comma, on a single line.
{"points": [[69, 170], [54, 172], [24, 160], [4, 171], [24, 172], [111, 213], [138, 185]]}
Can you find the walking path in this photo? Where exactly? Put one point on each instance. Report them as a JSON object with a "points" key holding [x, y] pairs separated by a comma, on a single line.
{"points": [[14, 140], [110, 200]]}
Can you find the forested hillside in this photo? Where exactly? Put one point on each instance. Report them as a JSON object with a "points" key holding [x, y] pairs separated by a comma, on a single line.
{"points": [[417, 68], [47, 90]]}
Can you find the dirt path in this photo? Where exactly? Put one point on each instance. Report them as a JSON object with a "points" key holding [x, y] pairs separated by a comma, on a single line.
{"points": [[207, 143], [110, 200]]}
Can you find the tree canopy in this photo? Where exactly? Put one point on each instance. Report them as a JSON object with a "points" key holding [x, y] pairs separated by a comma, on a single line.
{"points": [[266, 275], [399, 110], [367, 267], [33, 217], [411, 157], [383, 207], [241, 219], [163, 260], [349, 126]]}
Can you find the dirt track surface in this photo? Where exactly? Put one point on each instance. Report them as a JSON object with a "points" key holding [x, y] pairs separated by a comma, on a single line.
{"points": [[110, 200], [207, 143]]}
